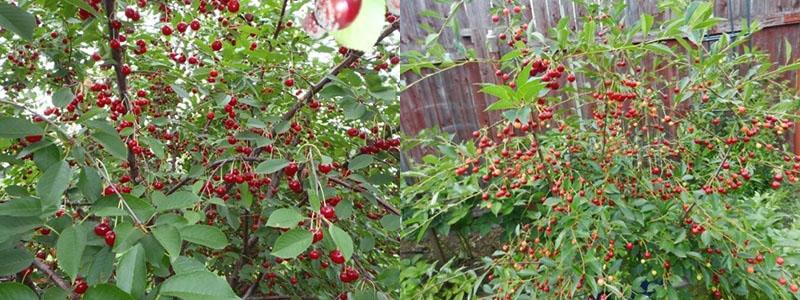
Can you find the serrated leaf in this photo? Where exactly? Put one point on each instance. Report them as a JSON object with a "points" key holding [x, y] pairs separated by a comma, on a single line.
{"points": [[271, 166], [112, 143], [177, 200], [170, 238], [16, 291], [17, 20], [284, 218], [14, 260], [200, 285], [205, 235], [106, 291], [291, 243], [21, 207], [13, 128], [360, 162], [131, 271], [53, 183], [62, 97], [69, 250], [90, 184]]}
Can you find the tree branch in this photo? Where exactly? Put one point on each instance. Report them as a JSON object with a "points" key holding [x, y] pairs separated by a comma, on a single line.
{"points": [[122, 84], [386, 205], [54, 277]]}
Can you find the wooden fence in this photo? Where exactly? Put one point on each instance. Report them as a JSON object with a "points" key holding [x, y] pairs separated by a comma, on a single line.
{"points": [[451, 101]]}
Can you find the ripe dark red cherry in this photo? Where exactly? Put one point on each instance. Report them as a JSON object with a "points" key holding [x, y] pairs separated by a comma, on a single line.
{"points": [[290, 169], [337, 14], [336, 257], [195, 25], [110, 238], [216, 45], [80, 286], [166, 30], [348, 274], [295, 186], [313, 255], [33, 138], [289, 82], [233, 6], [325, 168], [317, 236], [101, 229], [328, 212]]}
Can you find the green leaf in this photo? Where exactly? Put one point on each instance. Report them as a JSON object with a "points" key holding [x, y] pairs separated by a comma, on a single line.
{"points": [[201, 285], [360, 162], [69, 250], [391, 222], [62, 97], [177, 200], [499, 91], [16, 291], [90, 184], [13, 128], [342, 240], [647, 24], [131, 271], [284, 218], [291, 243], [54, 293], [14, 260], [112, 143], [21, 207], [184, 264], [106, 291], [17, 20], [100, 267], [271, 166], [170, 238], [53, 183], [204, 235]]}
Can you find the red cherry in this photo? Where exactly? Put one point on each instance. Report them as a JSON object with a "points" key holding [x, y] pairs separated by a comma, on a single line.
{"points": [[44, 231], [210, 115], [290, 169], [289, 82], [114, 44], [629, 246], [216, 45], [166, 30], [182, 26], [110, 238], [233, 6], [313, 255], [348, 274], [101, 229], [195, 25], [779, 261], [33, 138], [295, 186], [80, 286], [336, 257], [325, 168], [328, 212], [337, 14], [317, 236], [352, 132], [495, 19]]}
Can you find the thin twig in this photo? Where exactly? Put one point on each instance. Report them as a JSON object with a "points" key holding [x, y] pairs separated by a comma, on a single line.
{"points": [[41, 265]]}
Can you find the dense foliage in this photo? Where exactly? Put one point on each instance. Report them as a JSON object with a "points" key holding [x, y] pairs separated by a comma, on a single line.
{"points": [[610, 179], [198, 149]]}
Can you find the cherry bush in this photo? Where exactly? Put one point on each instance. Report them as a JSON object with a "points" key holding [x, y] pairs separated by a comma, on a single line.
{"points": [[199, 149], [610, 179]]}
